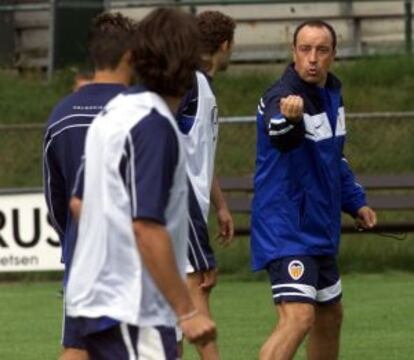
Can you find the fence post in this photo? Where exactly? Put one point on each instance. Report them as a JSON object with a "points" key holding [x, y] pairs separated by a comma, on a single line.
{"points": [[71, 23], [408, 27], [51, 49], [107, 5], [347, 9], [7, 40]]}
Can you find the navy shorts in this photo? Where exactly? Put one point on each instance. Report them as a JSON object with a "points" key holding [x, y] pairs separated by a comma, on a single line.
{"points": [[71, 333], [305, 279], [200, 254], [126, 342]]}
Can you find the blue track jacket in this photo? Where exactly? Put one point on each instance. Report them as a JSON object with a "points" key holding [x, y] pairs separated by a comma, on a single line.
{"points": [[302, 180]]}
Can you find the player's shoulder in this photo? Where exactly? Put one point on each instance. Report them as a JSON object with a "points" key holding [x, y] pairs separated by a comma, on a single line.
{"points": [[154, 134], [71, 111], [202, 81], [286, 85], [122, 106], [137, 108], [156, 125], [276, 91], [89, 99], [62, 108], [268, 103], [139, 98], [201, 76]]}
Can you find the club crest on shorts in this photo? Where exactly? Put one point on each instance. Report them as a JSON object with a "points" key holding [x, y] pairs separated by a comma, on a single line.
{"points": [[296, 269]]}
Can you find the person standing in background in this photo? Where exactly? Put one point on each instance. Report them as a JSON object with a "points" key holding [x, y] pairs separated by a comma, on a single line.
{"points": [[197, 119], [109, 48], [302, 183]]}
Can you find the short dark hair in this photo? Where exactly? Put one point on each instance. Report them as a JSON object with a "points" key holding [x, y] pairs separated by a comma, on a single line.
{"points": [[109, 39], [318, 24], [215, 28], [166, 51]]}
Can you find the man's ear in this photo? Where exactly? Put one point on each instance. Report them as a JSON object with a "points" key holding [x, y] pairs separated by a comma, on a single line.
{"points": [[225, 45], [293, 53], [127, 57]]}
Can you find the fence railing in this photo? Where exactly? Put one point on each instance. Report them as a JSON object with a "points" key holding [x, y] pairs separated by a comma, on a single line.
{"points": [[391, 115], [377, 143], [351, 116]]}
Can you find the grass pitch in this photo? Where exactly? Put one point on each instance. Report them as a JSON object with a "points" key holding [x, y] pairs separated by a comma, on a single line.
{"points": [[378, 318]]}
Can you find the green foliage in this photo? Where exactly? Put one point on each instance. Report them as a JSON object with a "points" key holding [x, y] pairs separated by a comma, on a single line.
{"points": [[371, 84], [30, 98], [238, 92], [377, 324], [378, 84]]}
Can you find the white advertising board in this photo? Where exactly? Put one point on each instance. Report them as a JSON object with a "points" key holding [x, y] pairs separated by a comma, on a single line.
{"points": [[27, 240]]}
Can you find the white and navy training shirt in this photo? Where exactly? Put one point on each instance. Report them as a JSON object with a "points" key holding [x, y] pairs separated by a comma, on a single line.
{"points": [[134, 169], [62, 152], [197, 119]]}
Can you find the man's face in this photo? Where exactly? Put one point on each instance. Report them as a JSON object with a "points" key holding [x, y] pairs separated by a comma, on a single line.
{"points": [[313, 54]]}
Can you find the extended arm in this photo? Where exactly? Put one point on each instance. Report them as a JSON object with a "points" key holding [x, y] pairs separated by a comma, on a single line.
{"points": [[284, 122], [353, 199], [224, 218], [150, 179], [75, 203], [156, 251], [54, 188]]}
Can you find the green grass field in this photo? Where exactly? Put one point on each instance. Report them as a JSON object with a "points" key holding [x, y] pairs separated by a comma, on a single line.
{"points": [[379, 309]]}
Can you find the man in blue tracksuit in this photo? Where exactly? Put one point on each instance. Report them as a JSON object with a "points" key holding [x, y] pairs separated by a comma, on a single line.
{"points": [[302, 183]]}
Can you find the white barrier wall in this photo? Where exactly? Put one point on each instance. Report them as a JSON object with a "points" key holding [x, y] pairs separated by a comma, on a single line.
{"points": [[27, 240], [255, 39]]}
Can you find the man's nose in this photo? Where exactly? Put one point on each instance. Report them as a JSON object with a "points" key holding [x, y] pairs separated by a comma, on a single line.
{"points": [[312, 56]]}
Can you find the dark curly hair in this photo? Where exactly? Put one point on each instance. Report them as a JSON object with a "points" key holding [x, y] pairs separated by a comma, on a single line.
{"points": [[166, 51], [215, 28], [109, 39]]}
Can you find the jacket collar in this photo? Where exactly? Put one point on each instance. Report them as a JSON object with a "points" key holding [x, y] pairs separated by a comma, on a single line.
{"points": [[292, 77]]}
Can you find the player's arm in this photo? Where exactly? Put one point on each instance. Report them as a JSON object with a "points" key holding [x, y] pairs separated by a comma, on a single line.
{"points": [[283, 116], [54, 187], [353, 198], [154, 244], [152, 174], [224, 218], [75, 206], [75, 203]]}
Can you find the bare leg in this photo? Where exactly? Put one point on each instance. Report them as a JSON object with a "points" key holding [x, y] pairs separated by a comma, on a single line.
{"points": [[323, 341], [73, 354], [200, 285], [295, 321]]}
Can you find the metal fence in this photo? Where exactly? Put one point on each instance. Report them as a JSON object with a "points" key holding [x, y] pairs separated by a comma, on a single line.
{"points": [[377, 143]]}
